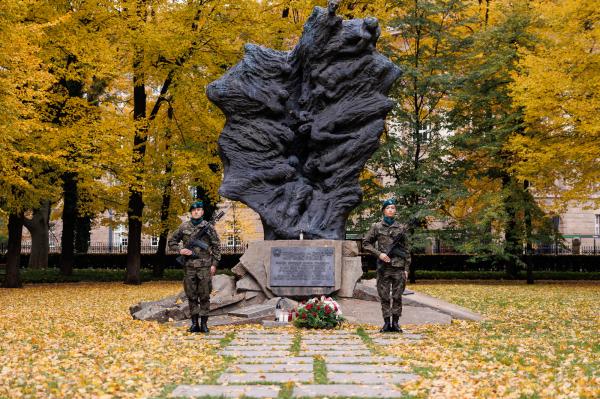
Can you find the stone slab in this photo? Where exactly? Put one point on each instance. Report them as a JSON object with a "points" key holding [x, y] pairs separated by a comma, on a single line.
{"points": [[233, 378], [263, 347], [250, 353], [351, 273], [458, 312], [339, 341], [365, 368], [333, 348], [349, 248], [320, 352], [247, 283], [222, 301], [347, 390], [253, 391], [276, 359], [275, 324], [272, 367], [254, 311], [302, 266], [254, 263], [366, 312], [249, 342], [371, 378], [361, 359]]}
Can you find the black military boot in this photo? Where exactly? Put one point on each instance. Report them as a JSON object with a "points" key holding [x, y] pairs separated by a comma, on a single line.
{"points": [[395, 325], [194, 328], [386, 326], [204, 324]]}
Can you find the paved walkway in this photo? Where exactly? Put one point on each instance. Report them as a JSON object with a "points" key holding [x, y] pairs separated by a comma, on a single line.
{"points": [[312, 364]]}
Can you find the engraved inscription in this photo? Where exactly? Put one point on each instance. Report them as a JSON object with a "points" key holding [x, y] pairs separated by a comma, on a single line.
{"points": [[302, 266]]}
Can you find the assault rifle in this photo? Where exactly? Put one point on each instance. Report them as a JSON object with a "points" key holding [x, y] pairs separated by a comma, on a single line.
{"points": [[394, 250], [195, 241]]}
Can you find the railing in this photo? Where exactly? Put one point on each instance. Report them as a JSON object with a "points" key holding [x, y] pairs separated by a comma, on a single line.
{"points": [[105, 248]]}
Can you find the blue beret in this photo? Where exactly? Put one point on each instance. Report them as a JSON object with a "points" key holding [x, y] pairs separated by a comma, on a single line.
{"points": [[197, 204], [387, 202]]}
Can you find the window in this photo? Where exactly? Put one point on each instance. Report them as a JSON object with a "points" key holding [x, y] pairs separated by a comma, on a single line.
{"points": [[154, 241], [124, 240], [230, 240], [597, 226]]}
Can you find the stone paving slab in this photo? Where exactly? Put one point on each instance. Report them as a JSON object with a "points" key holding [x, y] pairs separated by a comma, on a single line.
{"points": [[250, 353], [321, 352], [334, 348], [257, 347], [278, 359], [393, 336], [346, 390], [361, 359], [371, 378], [341, 341], [228, 391], [229, 378], [271, 367], [365, 368]]}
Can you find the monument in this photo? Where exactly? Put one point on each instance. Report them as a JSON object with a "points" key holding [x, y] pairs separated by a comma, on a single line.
{"points": [[301, 124]]}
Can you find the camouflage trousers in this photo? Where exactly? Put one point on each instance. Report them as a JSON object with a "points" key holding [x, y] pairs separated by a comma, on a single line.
{"points": [[197, 284], [390, 285]]}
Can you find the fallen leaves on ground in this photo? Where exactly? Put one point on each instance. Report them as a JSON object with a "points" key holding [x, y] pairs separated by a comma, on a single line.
{"points": [[79, 341], [538, 341]]}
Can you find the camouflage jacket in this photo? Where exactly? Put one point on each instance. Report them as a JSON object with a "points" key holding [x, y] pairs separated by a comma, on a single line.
{"points": [[187, 230], [379, 238]]}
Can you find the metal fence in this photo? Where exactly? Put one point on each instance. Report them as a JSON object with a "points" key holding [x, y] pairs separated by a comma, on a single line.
{"points": [[105, 248]]}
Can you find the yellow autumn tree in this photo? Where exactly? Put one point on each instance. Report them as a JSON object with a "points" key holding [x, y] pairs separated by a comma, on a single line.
{"points": [[558, 87]]}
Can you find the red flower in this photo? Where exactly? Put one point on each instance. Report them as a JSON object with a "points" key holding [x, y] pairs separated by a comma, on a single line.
{"points": [[304, 315], [309, 306], [334, 307], [327, 310], [318, 307], [314, 314]]}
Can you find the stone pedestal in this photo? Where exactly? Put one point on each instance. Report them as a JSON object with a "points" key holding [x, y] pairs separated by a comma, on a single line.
{"points": [[256, 261]]}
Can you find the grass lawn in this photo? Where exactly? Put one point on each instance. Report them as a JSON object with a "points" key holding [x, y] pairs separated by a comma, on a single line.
{"points": [[78, 341]]}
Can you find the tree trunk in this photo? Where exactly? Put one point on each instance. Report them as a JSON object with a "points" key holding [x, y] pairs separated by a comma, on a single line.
{"points": [[69, 217], [528, 230], [39, 228], [512, 243], [161, 251], [136, 203], [13, 254], [83, 230]]}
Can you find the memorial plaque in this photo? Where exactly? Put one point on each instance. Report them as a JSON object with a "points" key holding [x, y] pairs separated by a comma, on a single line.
{"points": [[302, 266]]}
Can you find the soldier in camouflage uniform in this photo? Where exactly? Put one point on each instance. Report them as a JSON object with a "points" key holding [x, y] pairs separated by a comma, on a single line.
{"points": [[198, 269], [392, 268]]}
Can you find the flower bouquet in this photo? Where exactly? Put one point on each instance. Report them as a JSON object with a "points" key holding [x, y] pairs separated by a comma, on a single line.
{"points": [[321, 312]]}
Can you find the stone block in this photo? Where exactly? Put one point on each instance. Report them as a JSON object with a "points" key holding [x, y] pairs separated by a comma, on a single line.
{"points": [[222, 301], [232, 378], [365, 292], [223, 285], [272, 367], [349, 248], [239, 270], [247, 283], [226, 391], [265, 309], [346, 391], [374, 378], [351, 273]]}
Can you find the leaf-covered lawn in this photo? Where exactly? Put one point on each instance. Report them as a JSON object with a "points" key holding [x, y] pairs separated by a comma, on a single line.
{"points": [[79, 341], [540, 341]]}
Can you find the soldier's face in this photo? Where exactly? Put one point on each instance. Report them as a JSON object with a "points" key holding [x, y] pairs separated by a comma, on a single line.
{"points": [[197, 213], [390, 211]]}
